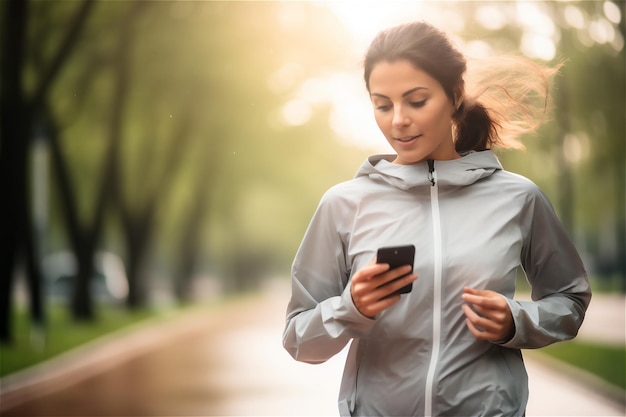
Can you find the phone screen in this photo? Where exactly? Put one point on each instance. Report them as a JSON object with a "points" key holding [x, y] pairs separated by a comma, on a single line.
{"points": [[397, 256]]}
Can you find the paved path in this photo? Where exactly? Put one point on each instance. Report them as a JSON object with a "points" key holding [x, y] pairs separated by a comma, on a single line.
{"points": [[232, 364]]}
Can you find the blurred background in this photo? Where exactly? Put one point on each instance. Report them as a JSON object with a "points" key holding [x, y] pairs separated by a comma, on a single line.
{"points": [[160, 154]]}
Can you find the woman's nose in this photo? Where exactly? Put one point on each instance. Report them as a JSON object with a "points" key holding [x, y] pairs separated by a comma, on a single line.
{"points": [[399, 117]]}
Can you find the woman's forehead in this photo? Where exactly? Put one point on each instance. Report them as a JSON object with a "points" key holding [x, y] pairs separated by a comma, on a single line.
{"points": [[400, 77]]}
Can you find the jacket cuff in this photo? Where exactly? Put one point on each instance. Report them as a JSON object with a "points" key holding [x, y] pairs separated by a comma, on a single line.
{"points": [[517, 338], [347, 311]]}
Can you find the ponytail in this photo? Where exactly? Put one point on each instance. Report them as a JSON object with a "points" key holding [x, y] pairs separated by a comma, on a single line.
{"points": [[505, 99], [475, 130]]}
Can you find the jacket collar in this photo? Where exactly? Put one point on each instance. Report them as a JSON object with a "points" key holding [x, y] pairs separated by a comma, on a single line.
{"points": [[466, 170]]}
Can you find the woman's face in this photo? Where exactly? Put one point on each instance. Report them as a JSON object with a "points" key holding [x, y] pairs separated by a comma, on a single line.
{"points": [[413, 112]]}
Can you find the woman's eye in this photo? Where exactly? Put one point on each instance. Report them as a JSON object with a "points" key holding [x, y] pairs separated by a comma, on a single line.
{"points": [[383, 107], [417, 104]]}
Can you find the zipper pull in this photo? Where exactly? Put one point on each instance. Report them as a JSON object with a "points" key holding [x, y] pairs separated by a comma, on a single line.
{"points": [[431, 169]]}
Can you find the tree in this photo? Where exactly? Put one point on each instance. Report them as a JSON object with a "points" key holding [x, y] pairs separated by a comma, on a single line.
{"points": [[19, 110], [13, 130]]}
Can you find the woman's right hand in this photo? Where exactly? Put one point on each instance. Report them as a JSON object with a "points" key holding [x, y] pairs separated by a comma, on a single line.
{"points": [[372, 290]]}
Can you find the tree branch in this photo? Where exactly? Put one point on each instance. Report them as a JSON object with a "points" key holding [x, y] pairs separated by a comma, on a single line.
{"points": [[68, 43]]}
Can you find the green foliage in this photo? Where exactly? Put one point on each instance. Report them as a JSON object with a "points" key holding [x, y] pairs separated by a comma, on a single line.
{"points": [[198, 81], [605, 361]]}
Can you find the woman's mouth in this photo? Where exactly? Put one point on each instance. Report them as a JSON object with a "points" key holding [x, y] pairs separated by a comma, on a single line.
{"points": [[407, 139]]}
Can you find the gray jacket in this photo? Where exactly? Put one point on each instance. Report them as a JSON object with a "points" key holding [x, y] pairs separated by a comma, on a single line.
{"points": [[473, 224]]}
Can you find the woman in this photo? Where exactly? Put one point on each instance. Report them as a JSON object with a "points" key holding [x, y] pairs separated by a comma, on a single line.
{"points": [[452, 345]]}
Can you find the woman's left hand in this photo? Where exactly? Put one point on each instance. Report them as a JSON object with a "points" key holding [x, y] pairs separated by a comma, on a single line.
{"points": [[488, 315]]}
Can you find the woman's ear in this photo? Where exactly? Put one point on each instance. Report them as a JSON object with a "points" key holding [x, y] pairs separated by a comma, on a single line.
{"points": [[458, 98], [458, 102]]}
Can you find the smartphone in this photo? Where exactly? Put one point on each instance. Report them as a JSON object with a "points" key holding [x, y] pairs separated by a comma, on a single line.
{"points": [[397, 256]]}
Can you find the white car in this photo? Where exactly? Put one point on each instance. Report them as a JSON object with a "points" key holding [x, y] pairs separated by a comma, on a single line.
{"points": [[109, 283]]}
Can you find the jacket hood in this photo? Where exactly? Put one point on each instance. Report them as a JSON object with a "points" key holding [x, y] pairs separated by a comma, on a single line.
{"points": [[466, 170]]}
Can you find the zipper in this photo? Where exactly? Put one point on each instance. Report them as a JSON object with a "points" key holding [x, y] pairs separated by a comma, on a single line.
{"points": [[431, 172], [438, 259]]}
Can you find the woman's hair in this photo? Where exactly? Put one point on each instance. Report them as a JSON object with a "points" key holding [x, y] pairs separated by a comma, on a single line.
{"points": [[504, 99]]}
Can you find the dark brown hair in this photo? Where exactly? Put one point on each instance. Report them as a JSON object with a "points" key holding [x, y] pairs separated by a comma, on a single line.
{"points": [[508, 99]]}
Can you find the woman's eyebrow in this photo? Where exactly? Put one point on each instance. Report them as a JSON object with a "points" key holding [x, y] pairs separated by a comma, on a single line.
{"points": [[406, 93], [412, 90]]}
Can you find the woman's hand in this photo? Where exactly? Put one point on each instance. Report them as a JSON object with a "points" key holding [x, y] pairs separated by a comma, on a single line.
{"points": [[489, 317], [372, 291]]}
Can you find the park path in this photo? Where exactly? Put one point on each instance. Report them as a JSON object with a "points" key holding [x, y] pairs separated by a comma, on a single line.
{"points": [[229, 361]]}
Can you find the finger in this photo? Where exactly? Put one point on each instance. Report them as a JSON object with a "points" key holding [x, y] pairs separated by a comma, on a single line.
{"points": [[481, 323], [473, 295], [485, 329], [371, 300], [471, 320], [478, 334], [379, 287], [474, 291], [383, 278], [394, 274], [375, 269], [486, 299], [369, 271], [373, 308], [393, 286], [482, 334], [366, 288], [479, 293], [499, 318]]}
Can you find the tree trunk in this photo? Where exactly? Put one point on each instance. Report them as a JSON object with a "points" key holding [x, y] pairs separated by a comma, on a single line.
{"points": [[189, 242], [13, 150], [81, 302], [82, 298], [139, 225], [138, 234], [565, 181]]}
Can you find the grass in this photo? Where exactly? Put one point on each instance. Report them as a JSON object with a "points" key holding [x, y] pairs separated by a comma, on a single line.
{"points": [[608, 362], [31, 346]]}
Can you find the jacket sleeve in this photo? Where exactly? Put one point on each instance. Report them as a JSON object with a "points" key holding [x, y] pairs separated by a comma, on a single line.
{"points": [[560, 286], [321, 317]]}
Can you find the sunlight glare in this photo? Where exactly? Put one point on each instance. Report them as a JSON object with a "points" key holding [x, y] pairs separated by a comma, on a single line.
{"points": [[286, 77], [601, 31], [316, 90], [537, 46], [292, 16], [574, 16], [539, 31], [296, 112], [612, 12], [618, 42], [364, 19], [575, 147], [491, 17], [530, 16], [477, 49], [351, 116]]}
